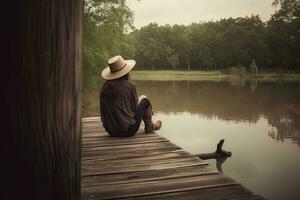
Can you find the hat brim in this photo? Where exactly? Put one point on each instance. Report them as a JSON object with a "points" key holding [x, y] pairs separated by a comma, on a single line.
{"points": [[108, 75]]}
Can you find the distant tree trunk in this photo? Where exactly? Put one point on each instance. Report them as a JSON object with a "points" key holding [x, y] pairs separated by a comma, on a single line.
{"points": [[41, 84], [188, 63]]}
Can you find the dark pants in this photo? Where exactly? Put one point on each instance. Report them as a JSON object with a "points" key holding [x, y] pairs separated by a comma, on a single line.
{"points": [[138, 117]]}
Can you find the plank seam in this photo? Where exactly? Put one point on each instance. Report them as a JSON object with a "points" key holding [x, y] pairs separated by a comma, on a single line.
{"points": [[123, 144], [157, 179], [135, 156], [128, 171], [170, 191]]}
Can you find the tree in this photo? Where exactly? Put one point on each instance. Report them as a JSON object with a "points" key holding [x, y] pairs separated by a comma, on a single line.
{"points": [[105, 25], [284, 36], [153, 47], [41, 93], [221, 44], [178, 40]]}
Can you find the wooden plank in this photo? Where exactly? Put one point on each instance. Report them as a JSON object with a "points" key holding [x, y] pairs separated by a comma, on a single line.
{"points": [[106, 138], [147, 166], [159, 156], [105, 167], [90, 119], [139, 160], [136, 162], [134, 149], [101, 132], [156, 187], [130, 147], [148, 175], [126, 156], [93, 130], [109, 141], [92, 124], [104, 134], [215, 193]]}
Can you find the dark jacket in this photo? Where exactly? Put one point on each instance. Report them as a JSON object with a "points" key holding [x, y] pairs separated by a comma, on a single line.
{"points": [[118, 102]]}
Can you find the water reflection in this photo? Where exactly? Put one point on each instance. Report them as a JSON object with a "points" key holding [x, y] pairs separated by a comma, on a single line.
{"points": [[236, 101], [219, 162], [260, 122], [285, 122]]}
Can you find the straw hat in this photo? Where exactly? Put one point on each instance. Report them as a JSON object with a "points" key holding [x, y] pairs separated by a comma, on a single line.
{"points": [[117, 67]]}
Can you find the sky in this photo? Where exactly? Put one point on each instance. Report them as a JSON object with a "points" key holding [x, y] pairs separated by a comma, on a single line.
{"points": [[188, 11]]}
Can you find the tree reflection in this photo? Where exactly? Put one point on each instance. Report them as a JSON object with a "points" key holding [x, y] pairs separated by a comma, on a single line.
{"points": [[219, 162], [285, 122], [238, 100]]}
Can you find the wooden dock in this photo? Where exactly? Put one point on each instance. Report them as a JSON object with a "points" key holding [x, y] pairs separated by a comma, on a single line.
{"points": [[147, 166]]}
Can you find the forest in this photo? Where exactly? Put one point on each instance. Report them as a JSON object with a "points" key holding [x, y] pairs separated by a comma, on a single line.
{"points": [[233, 44]]}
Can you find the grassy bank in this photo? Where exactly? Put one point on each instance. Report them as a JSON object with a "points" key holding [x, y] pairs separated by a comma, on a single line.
{"points": [[210, 75], [177, 75]]}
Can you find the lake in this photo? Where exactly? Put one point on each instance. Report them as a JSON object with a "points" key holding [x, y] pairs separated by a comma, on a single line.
{"points": [[260, 122]]}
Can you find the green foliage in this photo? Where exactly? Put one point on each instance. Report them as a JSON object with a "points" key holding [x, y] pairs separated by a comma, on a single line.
{"points": [[209, 46], [239, 69], [283, 35], [105, 25], [227, 44]]}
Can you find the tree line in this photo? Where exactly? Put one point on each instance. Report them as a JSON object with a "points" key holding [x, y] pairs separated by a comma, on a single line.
{"points": [[217, 45]]}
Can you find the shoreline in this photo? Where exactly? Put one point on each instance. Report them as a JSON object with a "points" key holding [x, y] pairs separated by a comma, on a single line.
{"points": [[211, 76]]}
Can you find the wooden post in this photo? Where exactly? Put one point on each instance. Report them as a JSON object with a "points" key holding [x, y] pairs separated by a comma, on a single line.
{"points": [[219, 153], [188, 63], [41, 84]]}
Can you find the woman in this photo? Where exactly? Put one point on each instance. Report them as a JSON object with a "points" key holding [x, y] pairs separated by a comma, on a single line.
{"points": [[121, 110]]}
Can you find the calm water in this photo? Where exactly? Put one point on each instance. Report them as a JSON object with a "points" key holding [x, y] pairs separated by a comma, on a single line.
{"points": [[260, 122]]}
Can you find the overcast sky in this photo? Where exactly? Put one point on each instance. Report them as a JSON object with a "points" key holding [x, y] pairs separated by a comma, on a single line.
{"points": [[188, 11]]}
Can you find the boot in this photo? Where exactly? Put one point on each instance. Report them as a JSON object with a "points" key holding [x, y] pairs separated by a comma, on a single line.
{"points": [[149, 125]]}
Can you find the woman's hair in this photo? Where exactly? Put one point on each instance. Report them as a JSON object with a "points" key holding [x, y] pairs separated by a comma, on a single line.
{"points": [[113, 87], [125, 77]]}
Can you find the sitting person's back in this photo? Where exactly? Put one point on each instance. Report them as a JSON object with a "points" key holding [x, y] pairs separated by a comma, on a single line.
{"points": [[118, 102], [121, 110]]}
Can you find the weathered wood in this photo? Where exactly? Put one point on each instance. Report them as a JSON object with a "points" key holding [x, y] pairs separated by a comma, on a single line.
{"points": [[127, 148], [156, 187], [147, 175], [126, 157], [157, 156], [101, 167], [90, 119], [122, 141], [103, 135], [141, 150], [148, 167], [214, 193], [41, 100]]}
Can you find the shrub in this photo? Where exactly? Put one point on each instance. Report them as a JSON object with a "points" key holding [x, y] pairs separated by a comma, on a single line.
{"points": [[237, 70]]}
